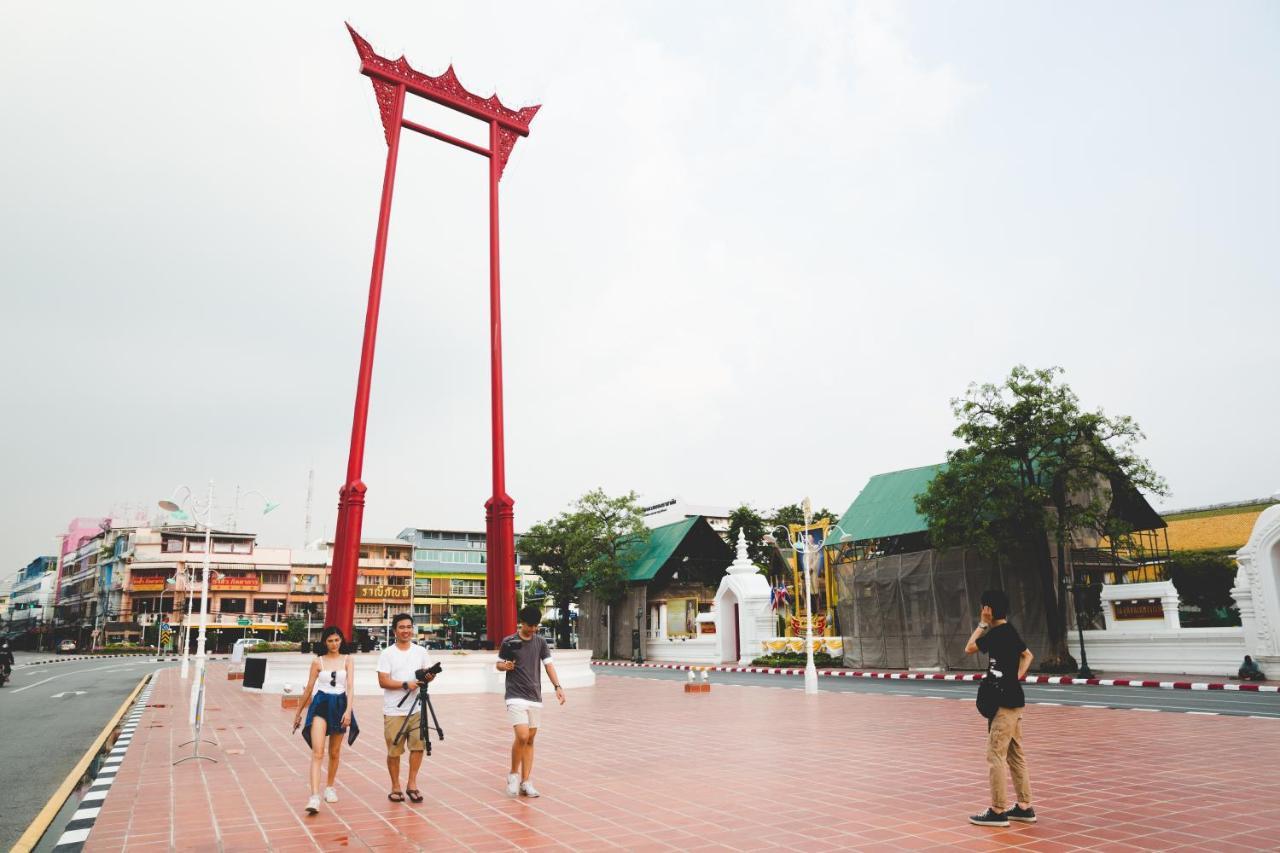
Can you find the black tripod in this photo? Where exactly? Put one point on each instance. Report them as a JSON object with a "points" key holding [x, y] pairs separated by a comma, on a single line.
{"points": [[422, 703]]}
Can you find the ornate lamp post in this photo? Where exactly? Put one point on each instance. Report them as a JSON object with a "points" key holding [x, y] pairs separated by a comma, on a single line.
{"points": [[1077, 588], [393, 81], [202, 513], [804, 546]]}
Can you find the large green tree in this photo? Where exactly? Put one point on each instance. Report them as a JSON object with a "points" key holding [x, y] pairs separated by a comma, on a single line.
{"points": [[582, 549], [1035, 470], [794, 514]]}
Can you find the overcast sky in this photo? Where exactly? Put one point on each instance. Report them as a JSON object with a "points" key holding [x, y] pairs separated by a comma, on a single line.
{"points": [[750, 250]]}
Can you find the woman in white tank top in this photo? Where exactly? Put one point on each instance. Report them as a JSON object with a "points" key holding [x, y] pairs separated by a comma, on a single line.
{"points": [[329, 700]]}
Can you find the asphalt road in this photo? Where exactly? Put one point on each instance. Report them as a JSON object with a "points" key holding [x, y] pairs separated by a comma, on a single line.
{"points": [[1206, 702], [49, 716]]}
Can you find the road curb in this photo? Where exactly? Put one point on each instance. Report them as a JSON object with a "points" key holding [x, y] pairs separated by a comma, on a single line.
{"points": [[69, 659], [957, 676], [36, 830]]}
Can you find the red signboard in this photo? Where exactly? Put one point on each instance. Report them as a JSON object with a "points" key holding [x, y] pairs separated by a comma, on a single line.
{"points": [[240, 583]]}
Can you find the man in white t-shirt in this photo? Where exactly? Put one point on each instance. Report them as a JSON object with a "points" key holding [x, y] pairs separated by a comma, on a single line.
{"points": [[397, 667]]}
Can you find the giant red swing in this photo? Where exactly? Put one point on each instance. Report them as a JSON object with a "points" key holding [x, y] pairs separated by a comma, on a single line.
{"points": [[393, 81]]}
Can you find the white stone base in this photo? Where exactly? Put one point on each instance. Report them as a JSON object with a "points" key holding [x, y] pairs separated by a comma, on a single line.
{"points": [[1186, 651], [472, 672], [703, 650]]}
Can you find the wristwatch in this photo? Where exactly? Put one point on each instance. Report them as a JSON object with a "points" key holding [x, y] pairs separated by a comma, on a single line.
{"points": [[557, 687]]}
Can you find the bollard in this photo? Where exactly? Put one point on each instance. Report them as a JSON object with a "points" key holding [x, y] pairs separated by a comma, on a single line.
{"points": [[691, 686], [705, 686]]}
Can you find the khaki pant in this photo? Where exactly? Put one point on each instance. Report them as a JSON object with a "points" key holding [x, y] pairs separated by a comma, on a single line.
{"points": [[391, 726], [1004, 747]]}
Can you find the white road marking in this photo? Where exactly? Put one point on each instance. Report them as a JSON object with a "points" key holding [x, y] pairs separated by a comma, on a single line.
{"points": [[37, 684]]}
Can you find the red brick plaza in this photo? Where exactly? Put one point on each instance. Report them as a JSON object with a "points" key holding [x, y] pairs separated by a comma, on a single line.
{"points": [[639, 765]]}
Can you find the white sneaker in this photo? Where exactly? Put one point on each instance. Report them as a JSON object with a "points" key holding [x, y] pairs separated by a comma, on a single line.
{"points": [[330, 795], [313, 804], [528, 790], [513, 784]]}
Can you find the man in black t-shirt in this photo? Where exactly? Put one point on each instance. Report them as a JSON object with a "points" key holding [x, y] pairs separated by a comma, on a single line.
{"points": [[519, 657], [1009, 659]]}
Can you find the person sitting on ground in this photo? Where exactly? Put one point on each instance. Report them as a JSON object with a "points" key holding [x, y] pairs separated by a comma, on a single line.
{"points": [[1249, 671]]}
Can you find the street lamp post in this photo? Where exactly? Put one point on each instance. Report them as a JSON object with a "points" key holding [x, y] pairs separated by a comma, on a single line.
{"points": [[805, 547], [195, 510], [1072, 583]]}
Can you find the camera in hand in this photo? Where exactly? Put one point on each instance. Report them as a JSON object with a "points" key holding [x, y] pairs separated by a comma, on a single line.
{"points": [[423, 675], [509, 647]]}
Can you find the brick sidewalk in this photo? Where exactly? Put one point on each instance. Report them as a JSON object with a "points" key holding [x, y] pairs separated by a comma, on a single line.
{"points": [[638, 765]]}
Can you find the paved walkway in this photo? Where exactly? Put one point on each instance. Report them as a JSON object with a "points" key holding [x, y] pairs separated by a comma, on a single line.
{"points": [[640, 765]]}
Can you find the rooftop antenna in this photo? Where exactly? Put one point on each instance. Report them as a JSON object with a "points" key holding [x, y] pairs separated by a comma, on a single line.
{"points": [[311, 487]]}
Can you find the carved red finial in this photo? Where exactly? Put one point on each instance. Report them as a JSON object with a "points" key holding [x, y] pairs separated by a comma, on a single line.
{"points": [[445, 89]]}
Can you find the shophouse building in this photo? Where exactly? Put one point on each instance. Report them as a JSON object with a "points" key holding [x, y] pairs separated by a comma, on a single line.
{"points": [[449, 571], [384, 586], [248, 584], [77, 589], [30, 607], [309, 587]]}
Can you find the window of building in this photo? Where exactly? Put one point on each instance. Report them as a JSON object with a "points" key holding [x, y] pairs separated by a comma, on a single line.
{"points": [[172, 544], [268, 605], [275, 577], [241, 547], [222, 546], [465, 557], [231, 605], [458, 586], [195, 546]]}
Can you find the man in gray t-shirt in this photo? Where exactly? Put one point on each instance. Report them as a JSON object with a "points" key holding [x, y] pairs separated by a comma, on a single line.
{"points": [[519, 657]]}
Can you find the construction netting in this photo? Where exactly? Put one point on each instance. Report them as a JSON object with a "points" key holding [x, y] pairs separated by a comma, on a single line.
{"points": [[916, 610]]}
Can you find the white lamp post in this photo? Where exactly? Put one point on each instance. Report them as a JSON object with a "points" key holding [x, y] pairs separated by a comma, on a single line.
{"points": [[805, 547]]}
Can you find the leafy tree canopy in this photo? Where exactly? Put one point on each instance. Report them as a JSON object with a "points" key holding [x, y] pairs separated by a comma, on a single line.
{"points": [[583, 547], [1034, 469]]}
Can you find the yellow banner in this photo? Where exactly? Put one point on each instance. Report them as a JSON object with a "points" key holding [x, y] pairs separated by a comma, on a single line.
{"points": [[384, 591]]}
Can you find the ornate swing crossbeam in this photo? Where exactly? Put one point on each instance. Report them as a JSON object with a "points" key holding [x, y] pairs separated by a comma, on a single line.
{"points": [[393, 81]]}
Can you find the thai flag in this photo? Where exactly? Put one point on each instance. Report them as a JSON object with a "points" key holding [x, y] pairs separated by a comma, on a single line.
{"points": [[780, 595]]}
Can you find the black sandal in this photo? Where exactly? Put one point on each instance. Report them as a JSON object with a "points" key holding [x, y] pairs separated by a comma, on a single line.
{"points": [[414, 794], [396, 797]]}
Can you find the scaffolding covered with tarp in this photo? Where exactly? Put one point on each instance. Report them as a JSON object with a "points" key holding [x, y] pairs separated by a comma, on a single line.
{"points": [[916, 610]]}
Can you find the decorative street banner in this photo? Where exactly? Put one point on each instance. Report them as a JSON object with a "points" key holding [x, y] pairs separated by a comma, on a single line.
{"points": [[384, 591]]}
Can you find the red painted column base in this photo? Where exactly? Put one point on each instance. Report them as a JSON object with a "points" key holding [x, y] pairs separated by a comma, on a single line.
{"points": [[500, 586], [340, 606]]}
